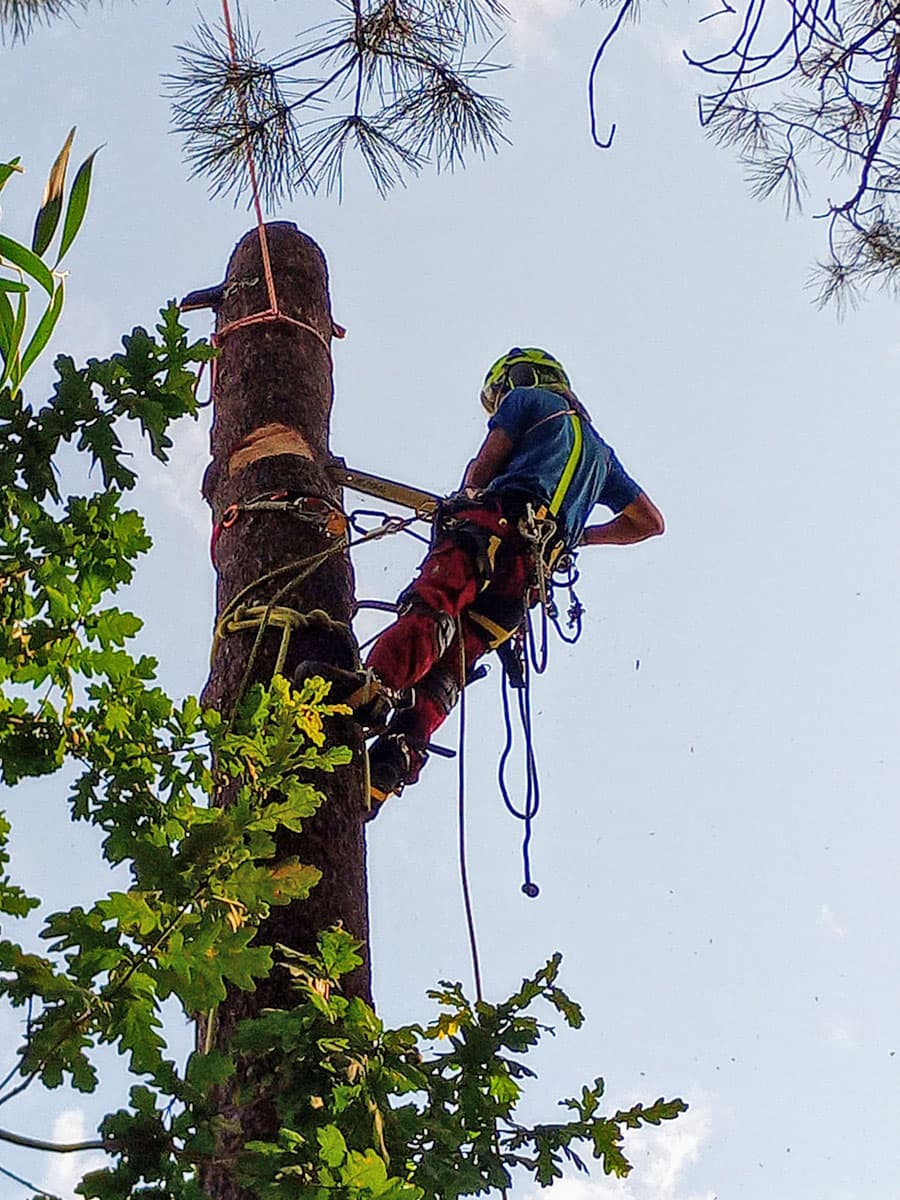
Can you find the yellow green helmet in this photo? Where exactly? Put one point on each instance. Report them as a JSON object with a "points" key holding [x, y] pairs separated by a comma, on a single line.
{"points": [[528, 367]]}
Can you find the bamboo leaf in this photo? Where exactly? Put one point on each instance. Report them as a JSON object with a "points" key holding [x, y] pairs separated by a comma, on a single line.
{"points": [[13, 371], [26, 260], [19, 325], [51, 202], [13, 285], [44, 330], [7, 169], [7, 321], [78, 200]]}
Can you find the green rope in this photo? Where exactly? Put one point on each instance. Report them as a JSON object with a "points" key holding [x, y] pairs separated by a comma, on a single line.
{"points": [[288, 620], [302, 568]]}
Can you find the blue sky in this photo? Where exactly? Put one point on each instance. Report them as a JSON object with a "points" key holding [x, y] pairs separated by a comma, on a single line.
{"points": [[717, 846]]}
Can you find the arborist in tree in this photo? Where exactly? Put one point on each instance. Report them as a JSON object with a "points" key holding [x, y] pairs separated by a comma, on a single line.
{"points": [[525, 500]]}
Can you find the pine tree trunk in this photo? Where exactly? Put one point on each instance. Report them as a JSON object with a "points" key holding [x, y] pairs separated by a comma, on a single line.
{"points": [[273, 397]]}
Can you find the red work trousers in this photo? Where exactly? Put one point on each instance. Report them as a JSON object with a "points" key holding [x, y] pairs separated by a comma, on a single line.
{"points": [[454, 582]]}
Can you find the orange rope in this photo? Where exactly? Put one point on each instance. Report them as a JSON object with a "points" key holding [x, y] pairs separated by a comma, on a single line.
{"points": [[278, 317], [251, 167], [273, 313]]}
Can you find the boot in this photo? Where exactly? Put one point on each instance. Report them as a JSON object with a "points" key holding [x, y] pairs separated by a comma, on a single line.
{"points": [[393, 763], [361, 690]]}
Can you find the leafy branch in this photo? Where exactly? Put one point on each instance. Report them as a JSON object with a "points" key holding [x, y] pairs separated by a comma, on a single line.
{"points": [[28, 1143], [365, 1111], [23, 264]]}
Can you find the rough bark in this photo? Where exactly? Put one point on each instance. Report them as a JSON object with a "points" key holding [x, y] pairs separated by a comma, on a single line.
{"points": [[276, 374]]}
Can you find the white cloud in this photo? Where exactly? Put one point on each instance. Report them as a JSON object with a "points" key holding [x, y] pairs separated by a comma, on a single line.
{"points": [[531, 28], [66, 1170], [178, 481], [830, 922], [660, 1157]]}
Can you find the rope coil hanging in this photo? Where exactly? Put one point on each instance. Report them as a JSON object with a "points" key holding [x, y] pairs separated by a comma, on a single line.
{"points": [[280, 616], [533, 655], [298, 570]]}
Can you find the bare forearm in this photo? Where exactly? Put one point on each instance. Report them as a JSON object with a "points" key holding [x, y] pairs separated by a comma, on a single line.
{"points": [[489, 461], [618, 532], [478, 475], [639, 521]]}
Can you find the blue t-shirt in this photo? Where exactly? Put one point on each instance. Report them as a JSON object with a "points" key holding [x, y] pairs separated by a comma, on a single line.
{"points": [[542, 443]]}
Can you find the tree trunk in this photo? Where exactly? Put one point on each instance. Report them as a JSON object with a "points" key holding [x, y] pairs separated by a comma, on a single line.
{"points": [[270, 432]]}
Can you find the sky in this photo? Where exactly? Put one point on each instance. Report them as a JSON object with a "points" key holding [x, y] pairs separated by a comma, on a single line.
{"points": [[717, 843]]}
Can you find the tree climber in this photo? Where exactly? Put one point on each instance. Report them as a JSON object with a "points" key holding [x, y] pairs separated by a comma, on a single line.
{"points": [[525, 498]]}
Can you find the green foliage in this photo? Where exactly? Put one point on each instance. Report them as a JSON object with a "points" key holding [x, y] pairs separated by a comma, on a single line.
{"points": [[365, 1113], [13, 900], [369, 1113], [77, 206], [51, 204], [204, 877], [16, 356]]}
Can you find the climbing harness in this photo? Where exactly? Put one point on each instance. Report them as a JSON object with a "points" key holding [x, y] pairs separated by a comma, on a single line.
{"points": [[511, 634]]}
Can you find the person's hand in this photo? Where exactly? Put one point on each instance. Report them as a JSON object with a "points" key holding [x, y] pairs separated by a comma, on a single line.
{"points": [[462, 498]]}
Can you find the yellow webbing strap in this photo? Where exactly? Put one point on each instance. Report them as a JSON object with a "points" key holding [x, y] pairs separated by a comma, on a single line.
{"points": [[499, 635], [565, 480]]}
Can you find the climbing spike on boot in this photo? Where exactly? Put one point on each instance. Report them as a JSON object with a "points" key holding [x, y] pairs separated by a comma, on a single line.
{"points": [[360, 690], [393, 763]]}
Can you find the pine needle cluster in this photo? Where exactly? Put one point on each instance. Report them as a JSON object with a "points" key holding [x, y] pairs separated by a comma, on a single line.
{"points": [[806, 91], [395, 81], [19, 17], [813, 87]]}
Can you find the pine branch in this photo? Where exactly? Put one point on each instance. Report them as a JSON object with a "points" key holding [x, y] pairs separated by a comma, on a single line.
{"points": [[446, 118], [19, 17], [388, 81], [385, 157]]}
